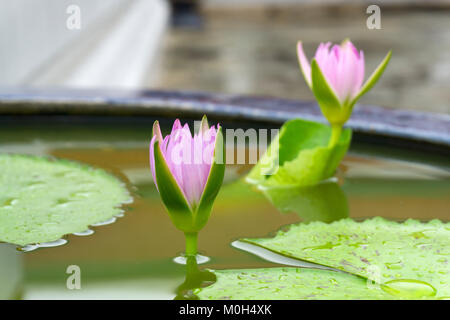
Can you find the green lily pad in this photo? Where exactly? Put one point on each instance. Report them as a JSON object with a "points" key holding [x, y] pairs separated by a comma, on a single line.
{"points": [[300, 156], [289, 284], [409, 257], [42, 199]]}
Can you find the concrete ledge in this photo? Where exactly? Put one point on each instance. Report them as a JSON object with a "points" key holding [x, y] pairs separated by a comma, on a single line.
{"points": [[422, 129]]}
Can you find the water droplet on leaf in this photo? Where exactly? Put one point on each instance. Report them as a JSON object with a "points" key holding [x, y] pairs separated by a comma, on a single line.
{"points": [[409, 289]]}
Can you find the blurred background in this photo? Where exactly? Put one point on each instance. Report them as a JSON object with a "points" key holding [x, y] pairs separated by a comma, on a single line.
{"points": [[226, 46]]}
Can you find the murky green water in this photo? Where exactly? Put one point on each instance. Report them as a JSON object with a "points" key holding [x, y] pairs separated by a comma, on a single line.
{"points": [[133, 257]]}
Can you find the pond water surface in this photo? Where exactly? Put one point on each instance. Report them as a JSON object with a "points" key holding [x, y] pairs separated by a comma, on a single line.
{"points": [[133, 257]]}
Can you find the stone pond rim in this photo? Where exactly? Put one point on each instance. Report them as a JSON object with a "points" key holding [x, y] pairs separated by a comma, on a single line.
{"points": [[410, 129]]}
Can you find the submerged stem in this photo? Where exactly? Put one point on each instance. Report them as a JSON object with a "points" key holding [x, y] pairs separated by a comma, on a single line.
{"points": [[336, 130], [191, 243]]}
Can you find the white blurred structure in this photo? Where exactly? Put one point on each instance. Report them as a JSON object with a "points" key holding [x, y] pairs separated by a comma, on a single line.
{"points": [[116, 45]]}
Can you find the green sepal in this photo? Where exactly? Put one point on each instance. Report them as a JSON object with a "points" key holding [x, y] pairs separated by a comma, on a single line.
{"points": [[204, 126], [326, 97], [171, 194], [300, 156], [374, 77], [213, 184]]}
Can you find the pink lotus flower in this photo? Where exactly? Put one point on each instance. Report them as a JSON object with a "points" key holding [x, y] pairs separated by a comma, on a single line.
{"points": [[342, 66], [188, 172], [188, 158], [336, 76]]}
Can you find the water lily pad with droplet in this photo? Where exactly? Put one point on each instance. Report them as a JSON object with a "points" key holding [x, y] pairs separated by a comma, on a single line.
{"points": [[289, 284], [410, 258], [43, 199]]}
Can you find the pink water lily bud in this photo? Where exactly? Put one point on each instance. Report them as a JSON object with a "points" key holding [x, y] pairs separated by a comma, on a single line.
{"points": [[186, 171], [342, 65], [336, 76]]}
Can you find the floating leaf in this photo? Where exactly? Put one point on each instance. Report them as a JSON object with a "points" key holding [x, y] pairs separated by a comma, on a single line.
{"points": [[300, 155], [321, 202], [399, 254], [289, 284], [42, 199]]}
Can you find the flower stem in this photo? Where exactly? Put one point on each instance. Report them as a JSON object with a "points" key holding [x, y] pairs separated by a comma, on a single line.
{"points": [[336, 130], [191, 243]]}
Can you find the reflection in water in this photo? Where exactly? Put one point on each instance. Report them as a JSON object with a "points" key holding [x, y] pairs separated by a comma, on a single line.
{"points": [[195, 278], [324, 202], [182, 259]]}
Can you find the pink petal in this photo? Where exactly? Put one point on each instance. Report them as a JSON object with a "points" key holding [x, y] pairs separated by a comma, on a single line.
{"points": [[304, 64], [152, 159], [343, 68], [360, 75]]}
